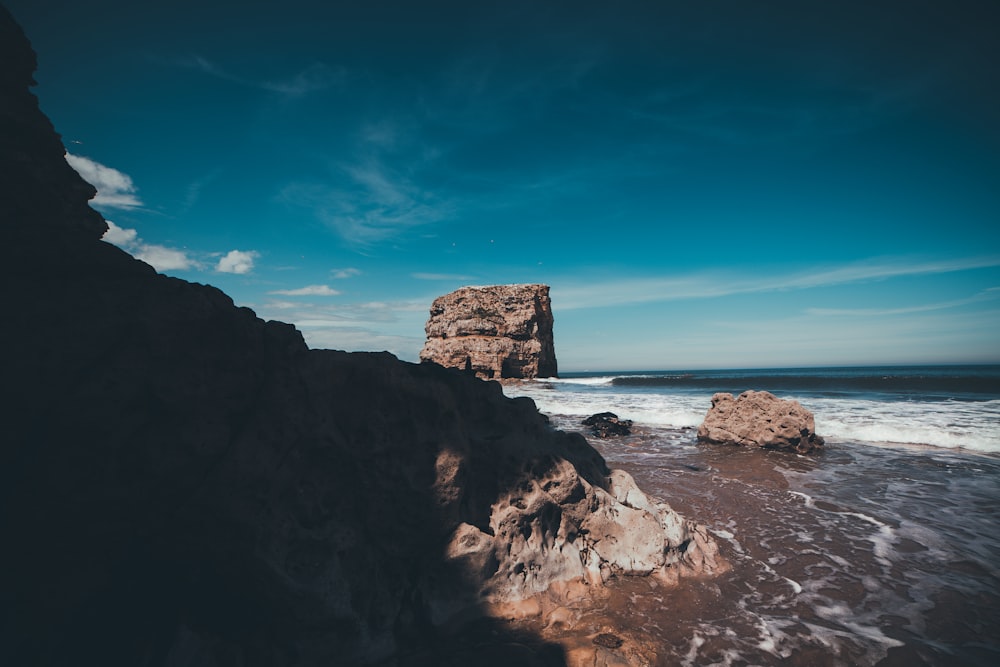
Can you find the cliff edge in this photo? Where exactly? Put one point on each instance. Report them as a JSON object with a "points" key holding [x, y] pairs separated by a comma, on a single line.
{"points": [[498, 331], [182, 483]]}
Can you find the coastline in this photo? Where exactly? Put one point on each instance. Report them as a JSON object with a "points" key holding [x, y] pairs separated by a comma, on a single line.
{"points": [[867, 553]]}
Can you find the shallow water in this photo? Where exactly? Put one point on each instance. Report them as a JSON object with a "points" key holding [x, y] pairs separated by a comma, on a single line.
{"points": [[862, 555]]}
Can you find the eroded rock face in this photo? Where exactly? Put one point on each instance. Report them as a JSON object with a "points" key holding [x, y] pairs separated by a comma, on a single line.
{"points": [[182, 483], [499, 331], [759, 419]]}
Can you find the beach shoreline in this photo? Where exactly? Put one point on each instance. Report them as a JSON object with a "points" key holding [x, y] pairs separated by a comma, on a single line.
{"points": [[866, 553]]}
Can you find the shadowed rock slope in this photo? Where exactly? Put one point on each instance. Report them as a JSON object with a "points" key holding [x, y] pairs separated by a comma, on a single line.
{"points": [[182, 483]]}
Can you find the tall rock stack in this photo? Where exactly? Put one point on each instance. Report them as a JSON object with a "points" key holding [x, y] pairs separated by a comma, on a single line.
{"points": [[498, 331]]}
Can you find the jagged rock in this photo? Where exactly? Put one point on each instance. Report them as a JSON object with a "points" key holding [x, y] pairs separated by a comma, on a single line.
{"points": [[759, 419], [182, 483], [607, 425], [500, 331]]}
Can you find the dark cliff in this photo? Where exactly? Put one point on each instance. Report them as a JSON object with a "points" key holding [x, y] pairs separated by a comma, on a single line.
{"points": [[182, 483]]}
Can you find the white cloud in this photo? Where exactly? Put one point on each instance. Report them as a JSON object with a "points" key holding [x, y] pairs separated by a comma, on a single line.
{"points": [[119, 236], [341, 274], [159, 257], [114, 189], [163, 258], [308, 290], [707, 285], [237, 261]]}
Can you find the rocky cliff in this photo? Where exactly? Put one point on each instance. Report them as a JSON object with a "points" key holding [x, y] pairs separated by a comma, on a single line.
{"points": [[499, 331], [182, 483]]}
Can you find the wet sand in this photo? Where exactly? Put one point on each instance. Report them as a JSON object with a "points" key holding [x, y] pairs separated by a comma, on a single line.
{"points": [[862, 555]]}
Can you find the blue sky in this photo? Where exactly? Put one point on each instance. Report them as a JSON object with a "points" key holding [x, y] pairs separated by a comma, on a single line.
{"points": [[711, 184]]}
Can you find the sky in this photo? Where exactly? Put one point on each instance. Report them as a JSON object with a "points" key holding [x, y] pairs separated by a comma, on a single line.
{"points": [[712, 184]]}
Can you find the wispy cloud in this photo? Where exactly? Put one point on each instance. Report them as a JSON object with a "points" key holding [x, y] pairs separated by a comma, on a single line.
{"points": [[442, 276], [314, 77], [311, 314], [362, 339], [396, 326], [114, 188], [985, 295], [308, 290], [374, 203], [237, 261], [342, 274], [709, 285], [159, 257], [193, 191], [833, 102]]}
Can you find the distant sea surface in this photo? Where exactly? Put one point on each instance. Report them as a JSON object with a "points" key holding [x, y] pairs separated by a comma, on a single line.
{"points": [[884, 549]]}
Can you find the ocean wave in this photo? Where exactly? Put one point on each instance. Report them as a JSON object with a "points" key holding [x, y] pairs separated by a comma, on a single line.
{"points": [[583, 381], [973, 426]]}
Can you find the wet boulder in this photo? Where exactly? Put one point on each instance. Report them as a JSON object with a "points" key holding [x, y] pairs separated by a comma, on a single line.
{"points": [[607, 425], [759, 419]]}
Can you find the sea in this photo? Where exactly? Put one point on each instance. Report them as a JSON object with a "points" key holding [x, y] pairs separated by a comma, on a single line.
{"points": [[883, 549]]}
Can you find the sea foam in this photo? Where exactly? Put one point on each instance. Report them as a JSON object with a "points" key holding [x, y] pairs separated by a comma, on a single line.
{"points": [[969, 425]]}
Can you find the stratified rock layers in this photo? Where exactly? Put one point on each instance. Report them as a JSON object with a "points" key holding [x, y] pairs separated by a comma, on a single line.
{"points": [[759, 419], [182, 483], [498, 331]]}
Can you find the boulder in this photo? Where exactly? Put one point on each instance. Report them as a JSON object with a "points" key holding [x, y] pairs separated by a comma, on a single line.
{"points": [[607, 425], [182, 483], [499, 331], [759, 419]]}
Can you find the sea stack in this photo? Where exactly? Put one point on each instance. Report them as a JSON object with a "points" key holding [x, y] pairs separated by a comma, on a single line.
{"points": [[498, 331]]}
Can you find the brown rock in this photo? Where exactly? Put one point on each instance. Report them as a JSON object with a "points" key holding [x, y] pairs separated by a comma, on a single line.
{"points": [[500, 331], [759, 419]]}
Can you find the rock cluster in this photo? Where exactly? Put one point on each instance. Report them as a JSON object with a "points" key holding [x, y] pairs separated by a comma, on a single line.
{"points": [[499, 331], [182, 483], [759, 419]]}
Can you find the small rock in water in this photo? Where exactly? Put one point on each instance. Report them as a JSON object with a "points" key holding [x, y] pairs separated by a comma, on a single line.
{"points": [[607, 424]]}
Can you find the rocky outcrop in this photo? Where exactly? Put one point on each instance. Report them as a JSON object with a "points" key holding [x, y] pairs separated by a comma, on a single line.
{"points": [[607, 425], [500, 331], [182, 483], [759, 419]]}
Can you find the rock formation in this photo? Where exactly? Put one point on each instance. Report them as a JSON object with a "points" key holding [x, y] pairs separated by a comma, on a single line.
{"points": [[607, 425], [500, 331], [759, 419], [182, 483]]}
